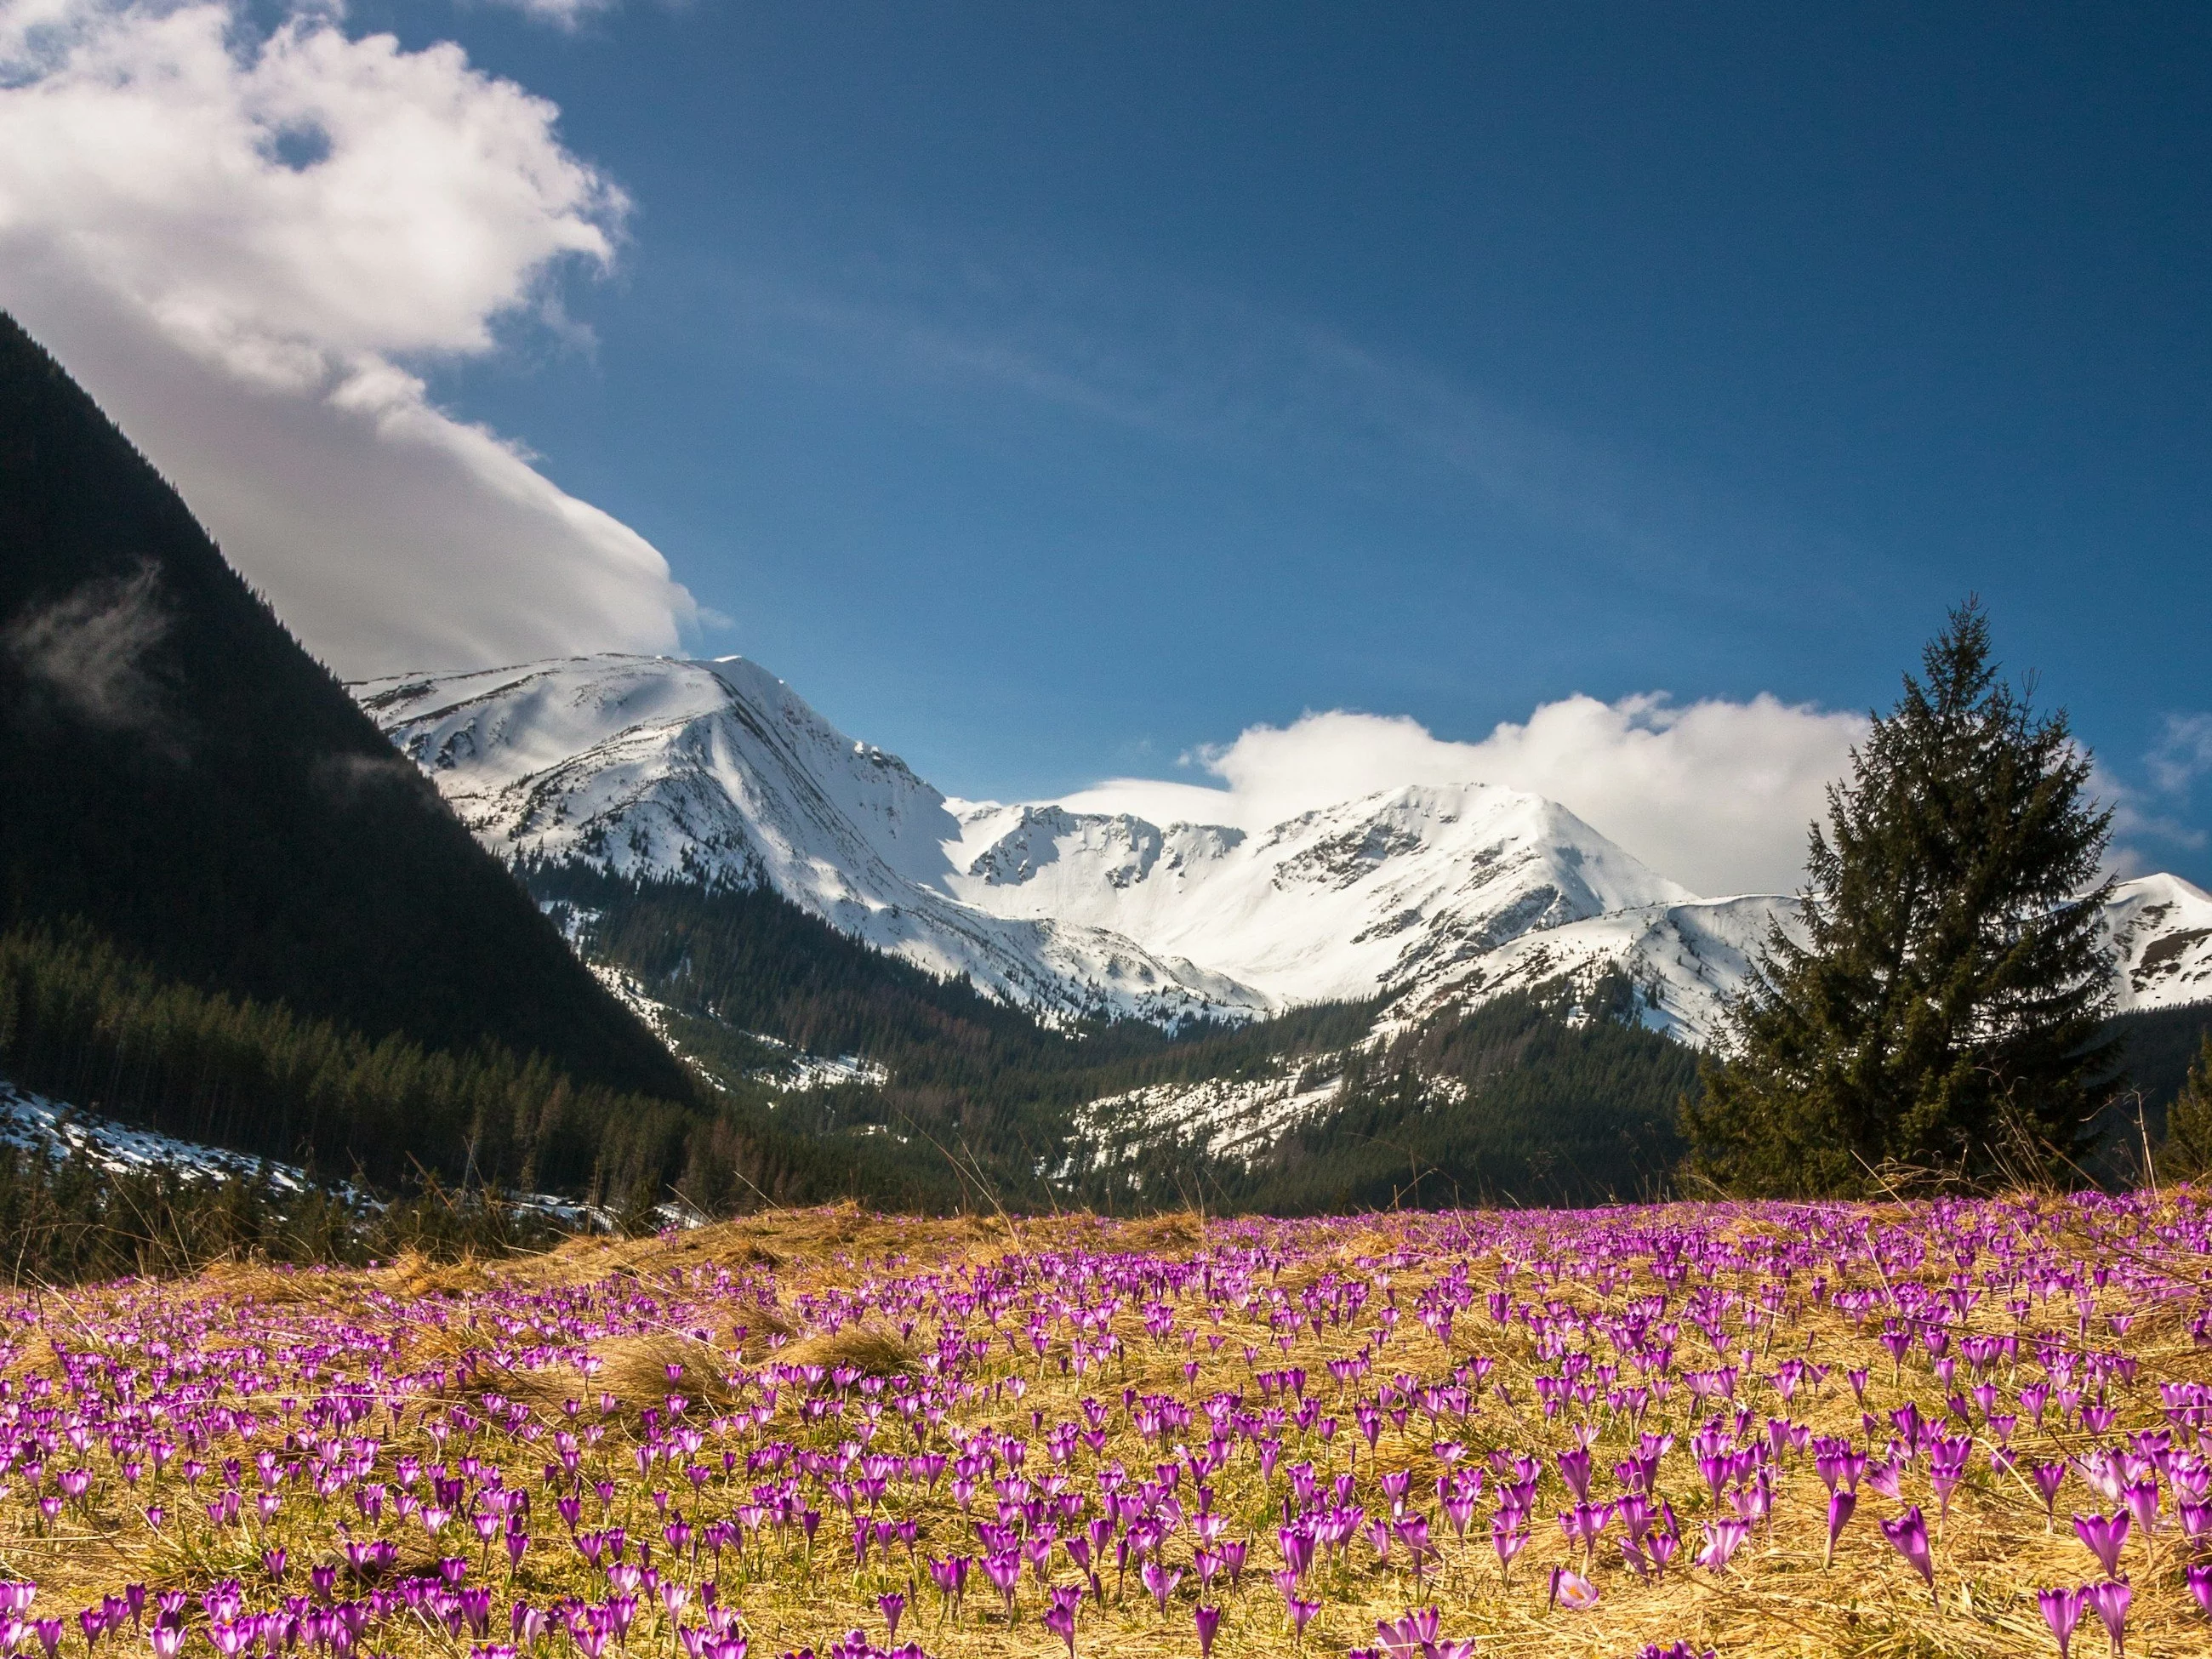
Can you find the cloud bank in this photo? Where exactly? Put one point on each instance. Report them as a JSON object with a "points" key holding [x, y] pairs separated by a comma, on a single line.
{"points": [[1717, 794], [245, 246]]}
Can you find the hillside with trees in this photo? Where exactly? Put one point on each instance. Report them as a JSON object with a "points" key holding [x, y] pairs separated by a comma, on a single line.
{"points": [[186, 780]]}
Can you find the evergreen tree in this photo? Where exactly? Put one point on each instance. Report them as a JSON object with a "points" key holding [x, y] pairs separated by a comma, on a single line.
{"points": [[1942, 1012], [2187, 1154]]}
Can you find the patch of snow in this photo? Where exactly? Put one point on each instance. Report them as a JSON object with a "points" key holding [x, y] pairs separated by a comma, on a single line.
{"points": [[1686, 961], [2160, 930], [1235, 1118], [576, 921], [795, 1070], [33, 1122], [799, 1070], [36, 1123]]}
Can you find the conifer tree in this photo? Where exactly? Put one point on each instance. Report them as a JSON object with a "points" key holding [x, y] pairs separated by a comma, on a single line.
{"points": [[2187, 1154], [1942, 1012]]}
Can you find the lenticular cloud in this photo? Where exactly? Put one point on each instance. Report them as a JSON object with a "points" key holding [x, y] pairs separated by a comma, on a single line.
{"points": [[248, 251]]}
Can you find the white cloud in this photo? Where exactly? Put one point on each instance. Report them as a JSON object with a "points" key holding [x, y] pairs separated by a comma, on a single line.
{"points": [[1717, 794], [561, 14], [2184, 752], [86, 650], [241, 243]]}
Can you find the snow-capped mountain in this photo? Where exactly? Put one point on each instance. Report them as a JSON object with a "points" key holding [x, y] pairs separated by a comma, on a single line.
{"points": [[1366, 895], [2161, 933], [718, 772]]}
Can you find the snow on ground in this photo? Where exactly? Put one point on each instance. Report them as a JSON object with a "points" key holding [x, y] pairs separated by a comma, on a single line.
{"points": [[799, 1070], [1227, 1117], [34, 1122], [2160, 928], [795, 1070], [1687, 959]]}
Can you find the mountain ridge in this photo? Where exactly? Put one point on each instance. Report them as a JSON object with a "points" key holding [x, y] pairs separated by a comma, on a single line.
{"points": [[1427, 897], [719, 773]]}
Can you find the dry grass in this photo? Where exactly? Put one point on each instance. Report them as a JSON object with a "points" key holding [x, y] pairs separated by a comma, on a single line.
{"points": [[870, 1349], [1776, 1602]]}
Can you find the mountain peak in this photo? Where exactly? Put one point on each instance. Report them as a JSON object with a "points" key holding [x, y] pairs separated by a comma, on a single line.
{"points": [[719, 772]]}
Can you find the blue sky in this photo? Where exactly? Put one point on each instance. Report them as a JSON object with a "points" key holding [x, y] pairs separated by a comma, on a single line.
{"points": [[1045, 392]]}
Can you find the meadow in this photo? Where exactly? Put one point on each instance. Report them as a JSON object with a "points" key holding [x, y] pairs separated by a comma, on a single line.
{"points": [[1943, 1429]]}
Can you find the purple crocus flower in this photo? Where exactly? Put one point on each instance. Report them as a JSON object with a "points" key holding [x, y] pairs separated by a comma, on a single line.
{"points": [[2141, 1498], [1060, 1619], [2061, 1611], [1510, 1538], [2048, 1478], [2105, 1535], [1004, 1569], [2199, 1579], [1840, 1507], [1571, 1590], [1722, 1539], [2111, 1601], [1909, 1533], [1575, 1470], [1161, 1581], [1208, 1620]]}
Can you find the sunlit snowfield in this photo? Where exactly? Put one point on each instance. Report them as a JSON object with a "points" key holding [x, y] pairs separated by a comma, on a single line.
{"points": [[1757, 1429]]}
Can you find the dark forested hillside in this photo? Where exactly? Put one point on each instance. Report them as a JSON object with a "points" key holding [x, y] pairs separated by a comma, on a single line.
{"points": [[977, 1092], [1549, 1096], [1552, 1095], [2159, 1045], [181, 776]]}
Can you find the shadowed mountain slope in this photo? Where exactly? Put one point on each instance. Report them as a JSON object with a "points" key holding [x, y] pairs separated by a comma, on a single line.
{"points": [[184, 777]]}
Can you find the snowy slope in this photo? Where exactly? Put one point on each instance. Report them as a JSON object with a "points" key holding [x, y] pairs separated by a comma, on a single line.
{"points": [[718, 771], [2162, 933], [1691, 957], [34, 1121], [1688, 958], [1239, 1117], [1364, 896]]}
